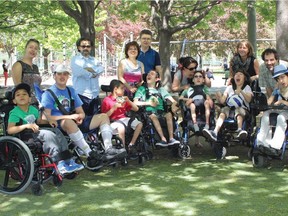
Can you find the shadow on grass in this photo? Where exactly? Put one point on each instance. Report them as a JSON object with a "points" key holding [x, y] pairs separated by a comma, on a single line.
{"points": [[164, 186]]}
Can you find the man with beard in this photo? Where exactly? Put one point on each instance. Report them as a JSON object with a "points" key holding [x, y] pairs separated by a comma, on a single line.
{"points": [[271, 59], [86, 71]]}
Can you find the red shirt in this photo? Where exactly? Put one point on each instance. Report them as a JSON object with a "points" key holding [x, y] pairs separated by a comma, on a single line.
{"points": [[108, 103]]}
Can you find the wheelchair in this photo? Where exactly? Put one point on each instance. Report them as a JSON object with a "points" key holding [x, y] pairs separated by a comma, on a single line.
{"points": [[23, 163], [259, 154], [187, 124], [152, 137], [142, 150]]}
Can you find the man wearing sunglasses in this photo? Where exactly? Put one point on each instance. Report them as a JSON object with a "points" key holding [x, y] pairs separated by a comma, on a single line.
{"points": [[86, 71]]}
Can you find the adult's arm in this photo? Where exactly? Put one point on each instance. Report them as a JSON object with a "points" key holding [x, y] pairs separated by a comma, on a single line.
{"points": [[17, 73], [256, 68]]}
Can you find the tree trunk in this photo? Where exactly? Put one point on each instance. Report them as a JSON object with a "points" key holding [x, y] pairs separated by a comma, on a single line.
{"points": [[84, 18], [164, 49], [282, 29], [252, 24]]}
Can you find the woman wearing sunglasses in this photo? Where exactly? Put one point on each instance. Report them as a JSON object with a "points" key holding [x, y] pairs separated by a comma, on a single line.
{"points": [[183, 78]]}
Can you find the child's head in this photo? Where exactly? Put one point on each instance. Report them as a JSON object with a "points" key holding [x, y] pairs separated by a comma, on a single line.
{"points": [[240, 78], [153, 77], [117, 87], [198, 78], [21, 94], [281, 75]]}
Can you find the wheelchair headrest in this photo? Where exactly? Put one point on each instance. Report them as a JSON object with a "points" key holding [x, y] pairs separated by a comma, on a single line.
{"points": [[105, 88], [8, 95]]}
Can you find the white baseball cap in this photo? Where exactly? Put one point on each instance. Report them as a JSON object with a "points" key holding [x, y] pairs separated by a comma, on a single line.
{"points": [[61, 68]]}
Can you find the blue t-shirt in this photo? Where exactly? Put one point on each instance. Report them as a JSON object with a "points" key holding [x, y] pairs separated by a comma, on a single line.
{"points": [[150, 59], [62, 95]]}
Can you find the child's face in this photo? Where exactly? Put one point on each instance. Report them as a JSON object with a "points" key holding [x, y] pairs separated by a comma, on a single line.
{"points": [[152, 76], [21, 97], [61, 78], [239, 78], [198, 78], [283, 80], [120, 90]]}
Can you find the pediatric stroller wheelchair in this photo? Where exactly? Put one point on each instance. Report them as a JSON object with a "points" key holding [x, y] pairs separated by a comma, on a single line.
{"points": [[142, 150], [23, 163]]}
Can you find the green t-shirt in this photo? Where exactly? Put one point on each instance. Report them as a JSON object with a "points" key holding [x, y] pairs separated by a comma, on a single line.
{"points": [[141, 95], [17, 114], [198, 90]]}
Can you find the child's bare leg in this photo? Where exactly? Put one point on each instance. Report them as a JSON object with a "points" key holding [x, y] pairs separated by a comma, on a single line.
{"points": [[121, 133], [239, 121], [136, 133], [193, 113], [219, 122], [207, 111], [157, 126], [169, 121]]}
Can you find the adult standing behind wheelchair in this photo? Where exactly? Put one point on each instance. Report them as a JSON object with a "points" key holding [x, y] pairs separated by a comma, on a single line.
{"points": [[25, 116], [25, 71], [71, 118], [152, 95], [183, 78], [130, 70], [236, 96], [279, 98]]}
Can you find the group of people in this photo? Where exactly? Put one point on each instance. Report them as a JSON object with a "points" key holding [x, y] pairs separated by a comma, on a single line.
{"points": [[75, 110]]}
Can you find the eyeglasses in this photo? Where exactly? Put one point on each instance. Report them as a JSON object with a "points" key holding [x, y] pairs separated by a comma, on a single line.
{"points": [[88, 46], [191, 69], [198, 76]]}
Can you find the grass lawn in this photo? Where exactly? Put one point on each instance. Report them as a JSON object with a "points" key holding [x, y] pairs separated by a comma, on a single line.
{"points": [[164, 186]]}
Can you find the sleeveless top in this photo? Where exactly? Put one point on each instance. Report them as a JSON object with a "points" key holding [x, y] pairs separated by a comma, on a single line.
{"points": [[31, 75], [131, 73], [247, 66]]}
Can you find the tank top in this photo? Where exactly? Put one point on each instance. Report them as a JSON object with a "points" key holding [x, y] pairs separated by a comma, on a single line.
{"points": [[31, 75], [132, 74]]}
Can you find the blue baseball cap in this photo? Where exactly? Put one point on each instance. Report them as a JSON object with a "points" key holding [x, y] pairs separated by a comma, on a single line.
{"points": [[279, 70]]}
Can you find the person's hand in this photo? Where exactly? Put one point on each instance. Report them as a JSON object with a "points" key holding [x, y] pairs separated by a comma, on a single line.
{"points": [[89, 69], [175, 108], [77, 118], [186, 87], [189, 101], [34, 127], [53, 123], [153, 102], [133, 89], [279, 102], [218, 96]]}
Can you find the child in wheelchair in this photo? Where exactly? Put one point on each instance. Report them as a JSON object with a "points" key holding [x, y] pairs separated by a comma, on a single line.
{"points": [[237, 98], [279, 99], [25, 116], [116, 106], [197, 100], [152, 96]]}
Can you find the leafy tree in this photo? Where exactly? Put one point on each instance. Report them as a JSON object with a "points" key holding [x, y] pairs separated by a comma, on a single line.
{"points": [[83, 12], [282, 29]]}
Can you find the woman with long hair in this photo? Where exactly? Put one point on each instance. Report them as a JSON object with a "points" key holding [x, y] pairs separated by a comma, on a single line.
{"points": [[24, 71]]}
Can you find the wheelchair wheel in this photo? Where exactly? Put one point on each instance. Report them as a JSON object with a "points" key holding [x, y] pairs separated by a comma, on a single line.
{"points": [[16, 165], [37, 189], [57, 180], [184, 151], [259, 161], [141, 160]]}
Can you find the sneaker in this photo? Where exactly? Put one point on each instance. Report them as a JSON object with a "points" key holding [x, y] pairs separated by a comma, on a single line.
{"points": [[206, 127], [76, 165], [63, 168], [242, 135], [173, 142], [196, 128], [210, 135], [94, 164], [115, 151], [224, 151], [162, 143], [95, 155]]}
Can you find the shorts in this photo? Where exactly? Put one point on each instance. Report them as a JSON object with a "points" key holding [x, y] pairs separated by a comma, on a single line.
{"points": [[114, 125], [238, 111]]}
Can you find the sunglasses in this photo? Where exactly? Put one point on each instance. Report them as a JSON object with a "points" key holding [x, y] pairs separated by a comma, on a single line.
{"points": [[191, 69], [85, 46], [198, 76]]}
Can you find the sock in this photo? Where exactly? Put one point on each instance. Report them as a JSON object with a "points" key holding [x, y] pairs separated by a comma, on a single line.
{"points": [[106, 133], [79, 141]]}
